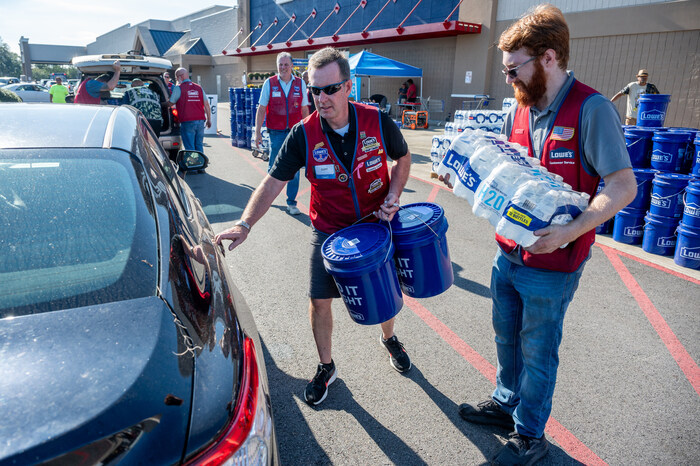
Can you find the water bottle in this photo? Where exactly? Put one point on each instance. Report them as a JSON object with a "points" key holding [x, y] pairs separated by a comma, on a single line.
{"points": [[497, 190]]}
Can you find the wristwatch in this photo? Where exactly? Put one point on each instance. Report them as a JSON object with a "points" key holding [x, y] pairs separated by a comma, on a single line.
{"points": [[242, 223]]}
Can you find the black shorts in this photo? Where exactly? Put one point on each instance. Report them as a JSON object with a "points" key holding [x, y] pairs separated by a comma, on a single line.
{"points": [[321, 283]]}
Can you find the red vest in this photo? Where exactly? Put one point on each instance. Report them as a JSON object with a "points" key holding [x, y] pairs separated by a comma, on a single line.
{"points": [[340, 197], [282, 111], [83, 97], [562, 154], [190, 105]]}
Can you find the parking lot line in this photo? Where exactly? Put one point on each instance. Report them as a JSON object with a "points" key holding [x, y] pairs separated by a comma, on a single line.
{"points": [[675, 347]]}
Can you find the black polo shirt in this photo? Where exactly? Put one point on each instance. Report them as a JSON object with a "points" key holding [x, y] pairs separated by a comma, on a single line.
{"points": [[292, 155]]}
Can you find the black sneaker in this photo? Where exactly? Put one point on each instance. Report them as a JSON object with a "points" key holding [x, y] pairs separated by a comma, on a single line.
{"points": [[397, 355], [522, 450], [317, 389], [486, 412]]}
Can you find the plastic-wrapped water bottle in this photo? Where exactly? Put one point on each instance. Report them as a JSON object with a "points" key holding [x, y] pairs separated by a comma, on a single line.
{"points": [[530, 209], [497, 189]]}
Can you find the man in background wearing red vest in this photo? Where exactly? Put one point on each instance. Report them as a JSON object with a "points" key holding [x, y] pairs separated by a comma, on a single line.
{"points": [[89, 90], [575, 132], [346, 148], [283, 103], [193, 110]]}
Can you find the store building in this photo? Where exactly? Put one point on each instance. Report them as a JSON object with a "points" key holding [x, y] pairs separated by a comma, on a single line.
{"points": [[452, 41]]}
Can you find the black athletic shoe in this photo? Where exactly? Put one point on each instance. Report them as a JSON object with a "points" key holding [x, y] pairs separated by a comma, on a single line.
{"points": [[317, 389], [486, 412], [397, 355], [522, 450]]}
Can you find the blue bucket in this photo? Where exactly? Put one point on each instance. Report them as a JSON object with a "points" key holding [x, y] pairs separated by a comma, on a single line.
{"points": [[639, 145], [651, 109], [607, 226], [688, 247], [668, 150], [422, 257], [691, 205], [360, 259], [667, 194], [644, 179], [695, 161], [629, 226], [659, 235]]}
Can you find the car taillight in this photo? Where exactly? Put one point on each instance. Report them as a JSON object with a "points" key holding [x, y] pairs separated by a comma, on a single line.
{"points": [[246, 440], [173, 110]]}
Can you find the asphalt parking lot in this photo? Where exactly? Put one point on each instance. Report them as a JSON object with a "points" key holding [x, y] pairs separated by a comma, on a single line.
{"points": [[628, 389]]}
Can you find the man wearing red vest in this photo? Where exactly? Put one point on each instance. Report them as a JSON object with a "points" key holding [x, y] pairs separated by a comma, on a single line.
{"points": [[89, 90], [576, 133], [283, 103], [193, 110], [346, 150]]}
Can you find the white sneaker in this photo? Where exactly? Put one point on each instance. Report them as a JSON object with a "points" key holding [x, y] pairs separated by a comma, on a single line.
{"points": [[293, 210]]}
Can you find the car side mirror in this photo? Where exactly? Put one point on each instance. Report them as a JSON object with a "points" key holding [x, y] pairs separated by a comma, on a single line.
{"points": [[191, 160]]}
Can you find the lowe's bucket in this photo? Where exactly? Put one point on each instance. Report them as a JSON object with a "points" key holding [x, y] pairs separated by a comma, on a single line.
{"points": [[644, 176], [695, 169], [691, 205], [667, 194], [659, 235], [668, 150], [607, 226], [638, 141], [651, 109], [360, 259], [629, 226], [688, 247], [422, 257]]}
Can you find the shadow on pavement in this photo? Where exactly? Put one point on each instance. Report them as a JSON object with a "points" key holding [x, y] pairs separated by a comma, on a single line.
{"points": [[469, 285]]}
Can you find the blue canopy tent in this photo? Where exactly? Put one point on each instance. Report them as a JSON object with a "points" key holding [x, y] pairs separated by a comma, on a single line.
{"points": [[366, 64]]}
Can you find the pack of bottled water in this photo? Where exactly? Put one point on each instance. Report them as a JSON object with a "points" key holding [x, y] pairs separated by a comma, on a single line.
{"points": [[507, 187], [438, 149]]}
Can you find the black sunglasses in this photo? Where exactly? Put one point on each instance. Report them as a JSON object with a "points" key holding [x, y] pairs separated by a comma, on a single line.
{"points": [[513, 72], [328, 90]]}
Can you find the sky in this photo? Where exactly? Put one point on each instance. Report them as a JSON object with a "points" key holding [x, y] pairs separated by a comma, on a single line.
{"points": [[79, 22]]}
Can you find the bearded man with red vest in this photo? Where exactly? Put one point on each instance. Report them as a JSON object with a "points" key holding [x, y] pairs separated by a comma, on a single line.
{"points": [[283, 103], [89, 89], [345, 148], [576, 133], [193, 110]]}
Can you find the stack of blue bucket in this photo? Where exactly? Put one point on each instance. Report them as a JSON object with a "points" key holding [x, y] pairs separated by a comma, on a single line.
{"points": [[238, 102], [664, 161]]}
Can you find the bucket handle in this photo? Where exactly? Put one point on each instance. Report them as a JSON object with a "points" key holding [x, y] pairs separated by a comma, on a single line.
{"points": [[672, 195], [635, 142], [391, 234]]}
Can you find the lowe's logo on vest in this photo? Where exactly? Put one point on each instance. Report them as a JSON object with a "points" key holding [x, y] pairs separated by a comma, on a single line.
{"points": [[653, 115], [633, 232], [690, 253], [561, 156], [373, 164], [369, 144], [660, 156], [320, 155]]}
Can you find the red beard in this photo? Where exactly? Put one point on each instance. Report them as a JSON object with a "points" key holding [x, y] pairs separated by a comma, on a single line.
{"points": [[528, 95]]}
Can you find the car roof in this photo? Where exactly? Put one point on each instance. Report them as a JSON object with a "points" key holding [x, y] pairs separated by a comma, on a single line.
{"points": [[129, 63], [34, 125]]}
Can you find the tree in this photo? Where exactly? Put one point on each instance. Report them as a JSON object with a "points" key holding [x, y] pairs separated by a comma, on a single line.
{"points": [[10, 64], [42, 71]]}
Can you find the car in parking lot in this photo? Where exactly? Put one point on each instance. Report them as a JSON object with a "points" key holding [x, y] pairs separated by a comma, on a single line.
{"points": [[122, 335], [29, 92], [147, 68], [5, 80]]}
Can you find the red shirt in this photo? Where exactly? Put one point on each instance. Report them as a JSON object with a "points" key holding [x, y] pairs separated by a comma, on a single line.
{"points": [[411, 92], [561, 154], [83, 97]]}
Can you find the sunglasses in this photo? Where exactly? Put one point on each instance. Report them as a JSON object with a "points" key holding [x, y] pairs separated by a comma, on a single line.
{"points": [[513, 72], [328, 90]]}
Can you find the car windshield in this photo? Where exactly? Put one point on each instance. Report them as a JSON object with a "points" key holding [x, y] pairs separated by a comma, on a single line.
{"points": [[77, 230]]}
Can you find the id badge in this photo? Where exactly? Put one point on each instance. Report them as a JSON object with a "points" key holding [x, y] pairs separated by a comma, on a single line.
{"points": [[276, 94], [325, 172]]}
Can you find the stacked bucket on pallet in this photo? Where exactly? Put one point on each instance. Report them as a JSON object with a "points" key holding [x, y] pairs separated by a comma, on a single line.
{"points": [[665, 216], [244, 104]]}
